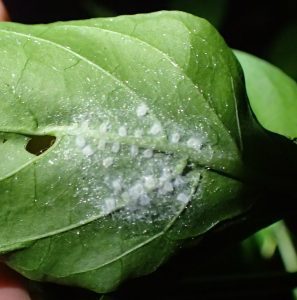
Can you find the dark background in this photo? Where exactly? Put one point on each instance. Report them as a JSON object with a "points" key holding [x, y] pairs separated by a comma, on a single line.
{"points": [[267, 29]]}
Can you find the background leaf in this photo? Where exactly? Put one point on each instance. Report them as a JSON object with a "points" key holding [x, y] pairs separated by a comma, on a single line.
{"points": [[272, 95]]}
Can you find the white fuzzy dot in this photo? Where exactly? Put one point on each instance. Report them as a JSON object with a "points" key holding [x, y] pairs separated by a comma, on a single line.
{"points": [[155, 129], [194, 143], [87, 151], [107, 162], [142, 110]]}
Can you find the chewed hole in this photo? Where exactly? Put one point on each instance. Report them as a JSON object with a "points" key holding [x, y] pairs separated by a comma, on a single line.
{"points": [[39, 144]]}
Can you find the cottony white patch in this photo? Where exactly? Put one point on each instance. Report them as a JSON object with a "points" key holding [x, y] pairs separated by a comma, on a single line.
{"points": [[136, 191], [142, 110]]}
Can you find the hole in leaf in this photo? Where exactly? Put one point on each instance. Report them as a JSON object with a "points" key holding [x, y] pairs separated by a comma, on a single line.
{"points": [[39, 144], [4, 141]]}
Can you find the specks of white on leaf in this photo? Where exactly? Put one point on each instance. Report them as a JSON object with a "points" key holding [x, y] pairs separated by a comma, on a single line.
{"points": [[107, 162], [101, 145], [109, 205], [194, 143], [138, 133], [104, 127], [142, 110], [182, 197], [148, 153], [87, 150], [134, 150], [80, 141], [122, 131], [51, 162], [150, 182], [115, 148], [117, 185], [155, 129], [174, 138]]}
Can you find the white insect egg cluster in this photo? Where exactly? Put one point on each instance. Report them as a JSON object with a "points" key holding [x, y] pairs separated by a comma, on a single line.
{"points": [[124, 173]]}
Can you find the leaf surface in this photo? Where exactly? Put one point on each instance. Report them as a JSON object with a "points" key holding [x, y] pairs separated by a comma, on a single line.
{"points": [[145, 113]]}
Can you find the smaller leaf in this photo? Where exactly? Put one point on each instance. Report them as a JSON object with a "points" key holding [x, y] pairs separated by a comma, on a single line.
{"points": [[272, 95]]}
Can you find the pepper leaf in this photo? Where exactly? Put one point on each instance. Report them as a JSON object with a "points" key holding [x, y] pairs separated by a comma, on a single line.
{"points": [[146, 144]]}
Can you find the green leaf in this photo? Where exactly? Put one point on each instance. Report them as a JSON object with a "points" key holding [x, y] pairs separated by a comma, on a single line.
{"points": [[145, 113], [272, 95]]}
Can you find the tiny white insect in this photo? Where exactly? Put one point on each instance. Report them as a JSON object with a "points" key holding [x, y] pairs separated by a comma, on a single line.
{"points": [[134, 150], [107, 162], [182, 197], [104, 127], [115, 148], [87, 150], [138, 133], [166, 188], [101, 145], [175, 137], [148, 153], [117, 185], [194, 143], [80, 141], [122, 131], [142, 110], [155, 129], [109, 205], [150, 182]]}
